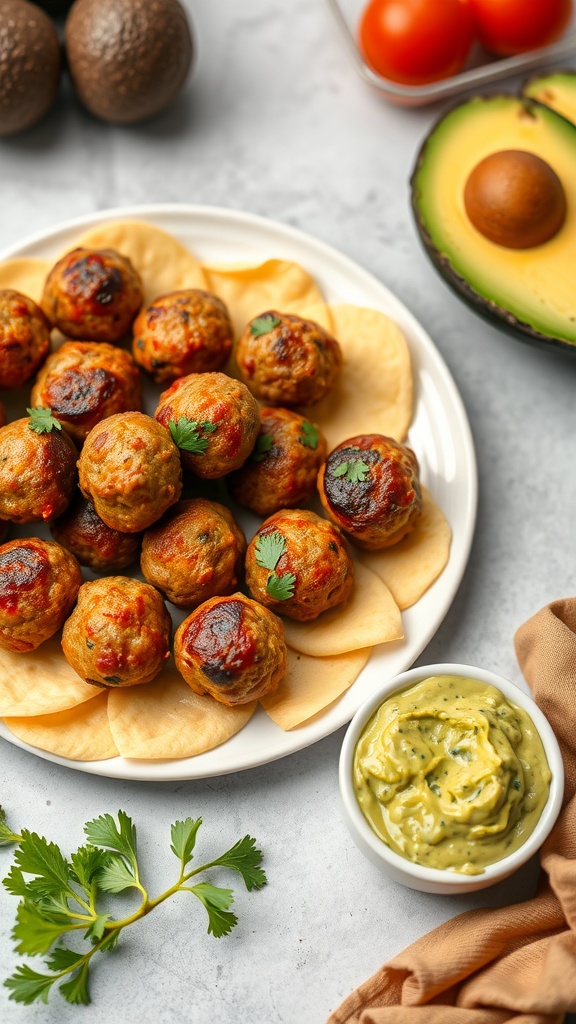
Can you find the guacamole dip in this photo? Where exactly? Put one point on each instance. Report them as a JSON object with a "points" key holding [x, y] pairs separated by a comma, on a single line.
{"points": [[450, 774]]}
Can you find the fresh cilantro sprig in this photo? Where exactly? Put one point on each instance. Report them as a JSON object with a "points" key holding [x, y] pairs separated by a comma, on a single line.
{"points": [[263, 324], [354, 470], [264, 445], [309, 435], [42, 421], [269, 549], [60, 897], [189, 435]]}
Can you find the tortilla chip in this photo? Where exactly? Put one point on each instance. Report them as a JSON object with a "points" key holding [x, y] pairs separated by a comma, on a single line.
{"points": [[40, 682], [275, 284], [26, 276], [369, 617], [163, 263], [79, 734], [374, 392], [410, 567], [166, 719], [311, 684]]}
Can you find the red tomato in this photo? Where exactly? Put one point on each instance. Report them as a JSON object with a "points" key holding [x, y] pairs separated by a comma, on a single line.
{"points": [[416, 41], [506, 27]]}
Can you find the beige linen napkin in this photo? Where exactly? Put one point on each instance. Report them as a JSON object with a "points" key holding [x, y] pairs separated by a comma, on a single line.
{"points": [[513, 964]]}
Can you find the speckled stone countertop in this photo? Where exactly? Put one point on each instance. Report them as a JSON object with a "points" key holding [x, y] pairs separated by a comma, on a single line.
{"points": [[276, 122]]}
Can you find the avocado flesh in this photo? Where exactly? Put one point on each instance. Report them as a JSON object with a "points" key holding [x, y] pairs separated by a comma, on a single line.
{"points": [[556, 89], [530, 291]]}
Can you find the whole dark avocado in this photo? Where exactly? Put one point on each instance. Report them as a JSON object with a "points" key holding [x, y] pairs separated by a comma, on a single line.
{"points": [[494, 200], [129, 59], [29, 65]]}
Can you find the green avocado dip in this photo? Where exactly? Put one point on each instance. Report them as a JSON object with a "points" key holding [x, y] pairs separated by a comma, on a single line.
{"points": [[450, 774]]}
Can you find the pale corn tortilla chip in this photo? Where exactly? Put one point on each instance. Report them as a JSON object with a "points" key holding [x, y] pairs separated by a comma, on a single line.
{"points": [[40, 682], [374, 391], [25, 275], [410, 567], [369, 617], [311, 684], [163, 263], [79, 734], [166, 719], [275, 284]]}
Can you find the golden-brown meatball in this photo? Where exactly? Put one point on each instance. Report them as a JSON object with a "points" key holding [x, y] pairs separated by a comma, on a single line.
{"points": [[214, 421], [282, 469], [369, 486], [85, 381], [118, 634], [39, 582], [286, 360], [181, 333], [298, 565], [24, 338], [196, 551], [81, 531], [37, 472], [92, 295], [130, 470], [231, 648]]}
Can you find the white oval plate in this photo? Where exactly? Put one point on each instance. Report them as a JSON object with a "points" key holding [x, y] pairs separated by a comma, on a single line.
{"points": [[440, 435]]}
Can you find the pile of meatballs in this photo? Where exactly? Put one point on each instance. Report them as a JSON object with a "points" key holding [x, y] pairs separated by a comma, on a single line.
{"points": [[108, 480]]}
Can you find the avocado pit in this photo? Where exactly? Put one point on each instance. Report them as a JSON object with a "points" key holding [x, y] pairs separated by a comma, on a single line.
{"points": [[515, 199]]}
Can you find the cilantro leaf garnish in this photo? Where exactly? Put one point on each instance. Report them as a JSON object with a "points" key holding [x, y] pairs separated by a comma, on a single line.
{"points": [[6, 833], [269, 549], [189, 434], [60, 896], [184, 839], [42, 421], [245, 858], [264, 444], [354, 470], [309, 435], [263, 324], [281, 588]]}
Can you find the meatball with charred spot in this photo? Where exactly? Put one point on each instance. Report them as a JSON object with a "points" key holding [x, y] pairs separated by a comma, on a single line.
{"points": [[286, 360], [370, 488], [93, 295], [213, 419], [24, 338], [84, 382], [130, 470], [231, 648], [39, 582], [81, 531], [37, 472], [298, 565], [195, 552], [118, 634], [282, 469], [183, 332]]}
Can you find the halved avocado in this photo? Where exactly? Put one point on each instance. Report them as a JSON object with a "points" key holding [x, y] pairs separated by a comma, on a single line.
{"points": [[555, 89], [529, 292]]}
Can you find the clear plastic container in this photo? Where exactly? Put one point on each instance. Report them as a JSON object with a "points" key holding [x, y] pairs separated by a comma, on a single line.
{"points": [[481, 68]]}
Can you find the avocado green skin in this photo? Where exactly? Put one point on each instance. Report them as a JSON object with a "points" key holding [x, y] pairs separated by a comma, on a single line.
{"points": [[494, 314]]}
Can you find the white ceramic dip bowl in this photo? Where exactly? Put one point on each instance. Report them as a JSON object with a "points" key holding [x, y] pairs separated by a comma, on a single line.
{"points": [[438, 880]]}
